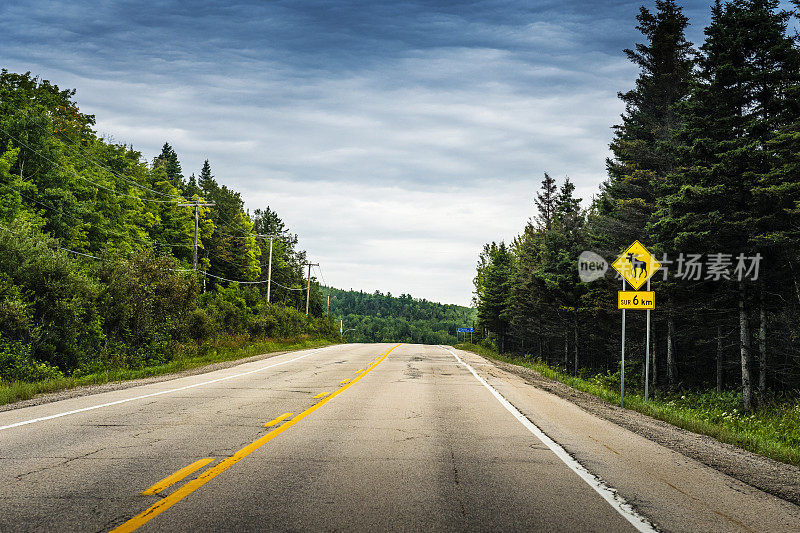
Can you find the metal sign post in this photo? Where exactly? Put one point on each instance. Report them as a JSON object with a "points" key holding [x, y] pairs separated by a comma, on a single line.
{"points": [[647, 353], [622, 371], [636, 266], [464, 331]]}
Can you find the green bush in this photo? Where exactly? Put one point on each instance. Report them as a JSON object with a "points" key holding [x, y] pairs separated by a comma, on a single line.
{"points": [[145, 302], [17, 364], [47, 300], [62, 314]]}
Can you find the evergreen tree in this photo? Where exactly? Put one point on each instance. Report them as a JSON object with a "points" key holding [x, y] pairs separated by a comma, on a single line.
{"points": [[208, 185], [643, 151], [168, 159], [493, 290], [746, 65], [546, 201], [566, 204], [192, 189]]}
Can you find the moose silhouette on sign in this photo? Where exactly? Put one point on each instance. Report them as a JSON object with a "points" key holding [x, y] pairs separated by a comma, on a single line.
{"points": [[637, 264]]}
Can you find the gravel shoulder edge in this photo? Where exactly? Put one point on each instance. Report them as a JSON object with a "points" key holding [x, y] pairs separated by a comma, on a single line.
{"points": [[776, 478]]}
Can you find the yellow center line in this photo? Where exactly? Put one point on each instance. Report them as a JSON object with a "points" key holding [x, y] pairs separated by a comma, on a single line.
{"points": [[206, 476], [344, 381], [177, 476], [360, 370], [276, 421], [320, 395]]}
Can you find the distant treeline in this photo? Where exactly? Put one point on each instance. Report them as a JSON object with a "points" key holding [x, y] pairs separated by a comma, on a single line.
{"points": [[379, 317], [96, 254], [705, 168]]}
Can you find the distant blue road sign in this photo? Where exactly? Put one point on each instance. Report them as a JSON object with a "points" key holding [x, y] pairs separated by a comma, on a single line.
{"points": [[464, 330]]}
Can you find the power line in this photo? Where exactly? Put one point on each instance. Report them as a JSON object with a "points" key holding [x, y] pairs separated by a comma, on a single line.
{"points": [[171, 269], [322, 275], [57, 246], [231, 280], [87, 179], [73, 147], [122, 194], [64, 213], [285, 287]]}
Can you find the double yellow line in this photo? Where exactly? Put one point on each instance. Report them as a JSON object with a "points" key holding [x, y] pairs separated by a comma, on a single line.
{"points": [[206, 476]]}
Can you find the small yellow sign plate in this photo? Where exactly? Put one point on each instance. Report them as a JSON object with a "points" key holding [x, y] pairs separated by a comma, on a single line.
{"points": [[636, 299], [636, 265]]}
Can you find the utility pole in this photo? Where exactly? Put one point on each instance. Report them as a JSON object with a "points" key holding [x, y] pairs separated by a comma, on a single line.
{"points": [[269, 269], [308, 289], [328, 309], [196, 206]]}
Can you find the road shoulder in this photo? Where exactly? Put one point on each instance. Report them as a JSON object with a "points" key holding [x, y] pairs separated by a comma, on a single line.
{"points": [[88, 390], [775, 478]]}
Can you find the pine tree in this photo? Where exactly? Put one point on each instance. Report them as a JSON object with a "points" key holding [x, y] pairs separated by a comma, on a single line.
{"points": [[168, 159], [191, 189], [208, 185], [747, 64], [566, 203], [643, 151], [546, 201], [493, 290]]}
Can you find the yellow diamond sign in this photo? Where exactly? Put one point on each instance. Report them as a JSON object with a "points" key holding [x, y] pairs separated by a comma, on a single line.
{"points": [[636, 265]]}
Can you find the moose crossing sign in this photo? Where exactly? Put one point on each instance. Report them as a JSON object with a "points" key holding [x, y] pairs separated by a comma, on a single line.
{"points": [[636, 265]]}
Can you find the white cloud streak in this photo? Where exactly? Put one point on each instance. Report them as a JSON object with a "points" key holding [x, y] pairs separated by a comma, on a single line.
{"points": [[393, 164]]}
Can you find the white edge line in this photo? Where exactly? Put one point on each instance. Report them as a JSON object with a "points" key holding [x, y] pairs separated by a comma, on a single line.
{"points": [[608, 493], [159, 393]]}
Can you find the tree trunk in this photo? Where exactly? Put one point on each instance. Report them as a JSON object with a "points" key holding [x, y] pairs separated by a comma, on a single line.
{"points": [[539, 338], [547, 352], [762, 346], [746, 357], [576, 347], [719, 359], [793, 274], [671, 373], [566, 348]]}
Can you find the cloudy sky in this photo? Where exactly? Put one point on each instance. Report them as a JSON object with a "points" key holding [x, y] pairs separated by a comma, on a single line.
{"points": [[394, 137]]}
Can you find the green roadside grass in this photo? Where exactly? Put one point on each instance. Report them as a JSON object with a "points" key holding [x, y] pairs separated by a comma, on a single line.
{"points": [[188, 357], [771, 430]]}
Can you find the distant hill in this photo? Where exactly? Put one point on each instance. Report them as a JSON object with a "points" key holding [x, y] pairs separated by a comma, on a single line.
{"points": [[378, 317]]}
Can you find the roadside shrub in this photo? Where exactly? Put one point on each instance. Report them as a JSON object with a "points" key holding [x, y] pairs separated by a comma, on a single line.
{"points": [[488, 343], [227, 308], [201, 325], [48, 300], [145, 305], [17, 364]]}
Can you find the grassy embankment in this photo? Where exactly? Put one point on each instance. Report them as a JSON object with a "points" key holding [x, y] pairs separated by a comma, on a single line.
{"points": [[772, 429], [191, 356]]}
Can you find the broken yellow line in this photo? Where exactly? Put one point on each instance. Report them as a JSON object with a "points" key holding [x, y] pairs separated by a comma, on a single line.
{"points": [[177, 476], [182, 492], [321, 394], [276, 421]]}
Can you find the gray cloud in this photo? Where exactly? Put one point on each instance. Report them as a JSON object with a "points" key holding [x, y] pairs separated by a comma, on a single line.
{"points": [[395, 138]]}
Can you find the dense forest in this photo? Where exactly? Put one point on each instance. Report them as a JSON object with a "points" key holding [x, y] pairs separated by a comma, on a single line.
{"points": [[381, 317], [97, 249], [705, 172]]}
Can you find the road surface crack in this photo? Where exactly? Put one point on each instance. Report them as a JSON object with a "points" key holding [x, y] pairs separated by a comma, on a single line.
{"points": [[66, 461]]}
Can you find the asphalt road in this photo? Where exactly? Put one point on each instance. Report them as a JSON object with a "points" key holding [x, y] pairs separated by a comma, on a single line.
{"points": [[379, 437]]}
